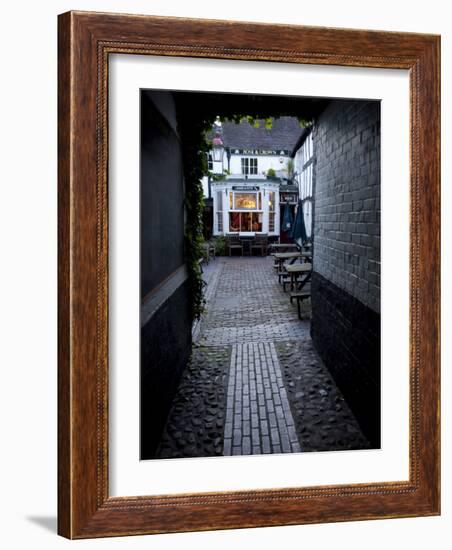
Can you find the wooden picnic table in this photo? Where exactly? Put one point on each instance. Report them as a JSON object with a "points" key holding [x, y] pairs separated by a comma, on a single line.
{"points": [[307, 256], [298, 268], [280, 247], [281, 257], [286, 255], [295, 271]]}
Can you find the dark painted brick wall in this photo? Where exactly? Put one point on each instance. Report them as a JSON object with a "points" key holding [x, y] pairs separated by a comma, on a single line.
{"points": [[165, 348], [347, 198], [346, 264], [166, 337], [346, 334], [162, 191]]}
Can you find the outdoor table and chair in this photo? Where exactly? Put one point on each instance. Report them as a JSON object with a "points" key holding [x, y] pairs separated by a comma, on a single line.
{"points": [[300, 285], [299, 275], [233, 242], [247, 244], [281, 257], [300, 295], [259, 243], [306, 256], [282, 247], [285, 259], [295, 269], [303, 253]]}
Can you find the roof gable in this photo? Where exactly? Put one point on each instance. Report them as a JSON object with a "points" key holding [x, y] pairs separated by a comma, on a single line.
{"points": [[284, 134]]}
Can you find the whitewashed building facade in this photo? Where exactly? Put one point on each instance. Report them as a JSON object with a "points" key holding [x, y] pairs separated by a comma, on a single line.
{"points": [[248, 177], [303, 157], [246, 206]]}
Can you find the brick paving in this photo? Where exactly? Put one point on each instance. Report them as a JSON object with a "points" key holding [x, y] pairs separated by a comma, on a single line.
{"points": [[258, 415], [254, 384]]}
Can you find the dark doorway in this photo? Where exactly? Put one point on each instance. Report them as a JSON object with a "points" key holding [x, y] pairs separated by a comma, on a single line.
{"points": [[284, 235]]}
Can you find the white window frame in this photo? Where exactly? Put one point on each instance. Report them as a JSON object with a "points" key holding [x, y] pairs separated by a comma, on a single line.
{"points": [[246, 165], [219, 212], [259, 201], [305, 155], [272, 213]]}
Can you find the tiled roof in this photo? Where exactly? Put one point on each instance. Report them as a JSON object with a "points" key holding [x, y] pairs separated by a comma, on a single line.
{"points": [[284, 134]]}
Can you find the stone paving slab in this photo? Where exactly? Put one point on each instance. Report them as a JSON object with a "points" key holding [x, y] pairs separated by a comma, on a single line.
{"points": [[249, 306], [254, 384], [261, 332]]}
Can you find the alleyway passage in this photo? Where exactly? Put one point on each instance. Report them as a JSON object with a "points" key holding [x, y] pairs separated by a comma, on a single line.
{"points": [[254, 383]]}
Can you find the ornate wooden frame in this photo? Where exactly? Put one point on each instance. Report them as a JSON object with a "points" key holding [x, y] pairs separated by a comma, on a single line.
{"points": [[85, 42]]}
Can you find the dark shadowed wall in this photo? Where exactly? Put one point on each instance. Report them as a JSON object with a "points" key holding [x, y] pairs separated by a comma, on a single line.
{"points": [[165, 314], [346, 268]]}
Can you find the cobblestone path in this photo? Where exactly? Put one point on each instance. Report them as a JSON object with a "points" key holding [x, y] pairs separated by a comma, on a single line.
{"points": [[255, 383]]}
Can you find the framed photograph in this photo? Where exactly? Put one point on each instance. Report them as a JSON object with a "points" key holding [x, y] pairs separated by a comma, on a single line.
{"points": [[248, 275]]}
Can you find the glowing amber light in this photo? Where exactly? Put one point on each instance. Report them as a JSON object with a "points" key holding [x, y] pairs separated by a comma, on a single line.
{"points": [[245, 201]]}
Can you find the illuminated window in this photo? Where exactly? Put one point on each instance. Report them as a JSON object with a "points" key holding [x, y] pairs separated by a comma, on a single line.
{"points": [[244, 222], [246, 212], [245, 201]]}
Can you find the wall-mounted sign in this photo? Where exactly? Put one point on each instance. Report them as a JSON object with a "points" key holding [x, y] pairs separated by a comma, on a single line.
{"points": [[288, 197], [245, 188], [264, 152]]}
